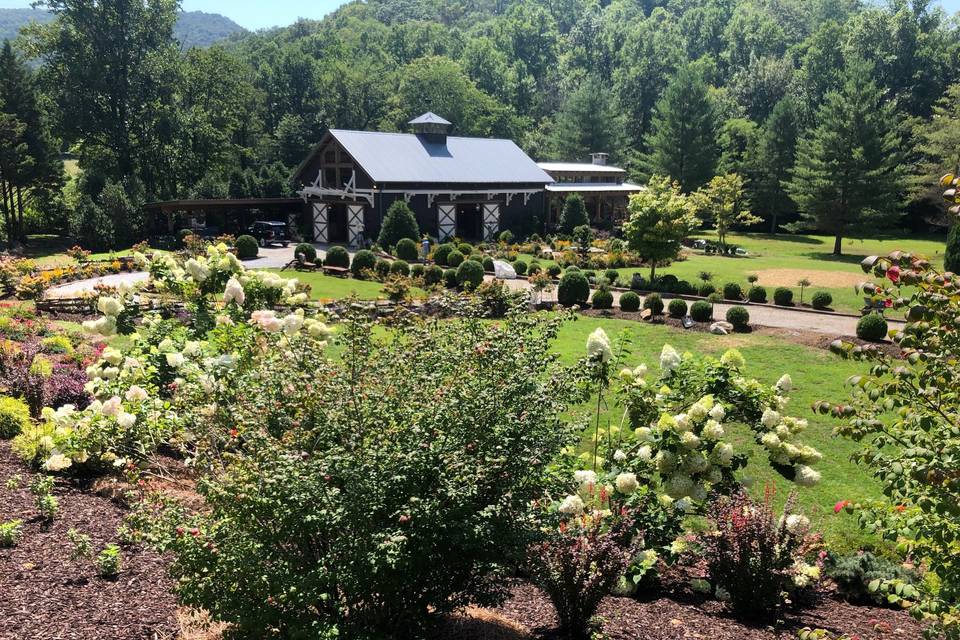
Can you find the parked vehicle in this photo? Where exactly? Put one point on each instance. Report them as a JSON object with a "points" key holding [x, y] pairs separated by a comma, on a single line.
{"points": [[267, 233]]}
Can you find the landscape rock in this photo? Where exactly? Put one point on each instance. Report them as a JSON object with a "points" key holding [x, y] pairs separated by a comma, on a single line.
{"points": [[504, 270]]}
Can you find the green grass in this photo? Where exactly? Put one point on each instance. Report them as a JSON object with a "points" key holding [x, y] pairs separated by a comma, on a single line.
{"points": [[324, 287], [806, 253], [816, 375]]}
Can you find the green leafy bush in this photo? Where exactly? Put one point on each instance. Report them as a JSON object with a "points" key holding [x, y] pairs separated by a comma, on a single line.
{"points": [[520, 267], [442, 251], [574, 288], [654, 302], [506, 237], [821, 300], [14, 417], [450, 278], [416, 271], [10, 533], [951, 255], [399, 223], [488, 264], [363, 261], [246, 247], [701, 311], [433, 275], [554, 270], [783, 296], [337, 257], [602, 299], [108, 562], [855, 574], [455, 258], [677, 308], [739, 317], [757, 294], [399, 268], [706, 289], [732, 291], [57, 345], [872, 327], [406, 249], [465, 248], [382, 268], [612, 276], [629, 301], [534, 268], [306, 251], [637, 281], [470, 274]]}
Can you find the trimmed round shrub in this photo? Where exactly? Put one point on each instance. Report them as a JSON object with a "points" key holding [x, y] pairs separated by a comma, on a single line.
{"points": [[706, 289], [655, 303], [465, 248], [337, 257], [574, 288], [872, 328], [455, 258], [677, 308], [554, 271], [572, 267], [306, 251], [14, 417], [433, 275], [602, 299], [470, 274], [783, 296], [506, 237], [739, 317], [246, 247], [821, 300], [363, 260], [382, 268], [629, 301], [612, 276], [399, 268], [182, 236], [757, 294], [667, 283], [534, 268], [520, 267], [442, 251], [450, 278], [406, 249], [732, 291], [488, 263], [685, 287], [701, 311], [416, 271]]}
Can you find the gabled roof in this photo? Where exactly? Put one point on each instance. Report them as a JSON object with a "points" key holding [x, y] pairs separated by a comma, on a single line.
{"points": [[406, 158], [428, 118]]}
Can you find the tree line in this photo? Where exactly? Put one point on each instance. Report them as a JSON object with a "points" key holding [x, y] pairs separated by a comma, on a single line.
{"points": [[835, 114]]}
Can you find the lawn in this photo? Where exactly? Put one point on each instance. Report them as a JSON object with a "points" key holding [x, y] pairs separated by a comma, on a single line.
{"points": [[816, 375], [324, 287], [782, 260]]}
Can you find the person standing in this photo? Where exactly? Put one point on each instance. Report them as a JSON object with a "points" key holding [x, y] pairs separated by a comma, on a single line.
{"points": [[425, 247]]}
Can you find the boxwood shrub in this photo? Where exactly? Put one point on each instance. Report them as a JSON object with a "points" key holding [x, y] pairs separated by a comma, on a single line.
{"points": [[432, 275], [337, 257], [739, 317], [629, 301], [706, 289], [400, 268], [465, 248], [677, 307], [450, 278], [612, 276], [382, 268], [732, 291], [821, 300], [520, 267], [406, 250], [653, 302], [554, 270], [442, 251], [872, 328], [573, 288], [488, 264], [363, 260], [602, 299], [701, 311], [534, 268], [455, 258], [783, 296], [470, 274], [246, 247], [307, 251], [757, 294], [416, 270]]}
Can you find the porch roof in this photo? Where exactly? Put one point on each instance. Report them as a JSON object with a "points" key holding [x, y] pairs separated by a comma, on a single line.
{"points": [[594, 187]]}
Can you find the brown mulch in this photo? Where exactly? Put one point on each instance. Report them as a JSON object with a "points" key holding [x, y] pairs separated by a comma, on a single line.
{"points": [[44, 595], [687, 617]]}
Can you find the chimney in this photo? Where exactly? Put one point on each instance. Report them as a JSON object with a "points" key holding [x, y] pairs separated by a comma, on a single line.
{"points": [[430, 128], [599, 158]]}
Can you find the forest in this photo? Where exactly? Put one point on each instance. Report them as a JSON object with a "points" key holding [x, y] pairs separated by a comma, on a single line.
{"points": [[839, 115]]}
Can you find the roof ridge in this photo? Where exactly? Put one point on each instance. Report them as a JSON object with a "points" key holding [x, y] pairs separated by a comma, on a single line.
{"points": [[403, 133]]}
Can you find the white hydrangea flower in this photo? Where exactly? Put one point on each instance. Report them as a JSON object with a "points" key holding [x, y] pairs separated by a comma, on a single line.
{"points": [[224, 320], [198, 271], [233, 292], [126, 420], [167, 346], [644, 434], [627, 483], [45, 443], [689, 440], [645, 453], [698, 411], [718, 412], [105, 326], [626, 375], [796, 524], [175, 360], [669, 358], [571, 506], [714, 475], [267, 320], [109, 306], [785, 383], [136, 394], [733, 358], [664, 500], [110, 373], [665, 461], [713, 430], [683, 504], [770, 418], [111, 407], [57, 462], [682, 421], [806, 477], [770, 440], [598, 346], [112, 356], [619, 455], [699, 493], [191, 348], [679, 486], [293, 322], [586, 479], [696, 464]]}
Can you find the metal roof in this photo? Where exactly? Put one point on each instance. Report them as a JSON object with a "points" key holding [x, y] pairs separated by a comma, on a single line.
{"points": [[594, 187], [580, 167], [406, 157], [428, 118]]}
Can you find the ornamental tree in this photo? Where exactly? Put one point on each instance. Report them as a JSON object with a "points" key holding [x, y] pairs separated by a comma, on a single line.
{"points": [[906, 412], [659, 218], [723, 202]]}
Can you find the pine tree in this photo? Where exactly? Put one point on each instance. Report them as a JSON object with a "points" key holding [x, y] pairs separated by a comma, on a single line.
{"points": [[682, 142], [574, 214], [589, 121], [399, 223], [773, 159], [848, 173]]}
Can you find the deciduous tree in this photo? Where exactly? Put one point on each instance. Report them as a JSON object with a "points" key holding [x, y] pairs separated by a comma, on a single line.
{"points": [[660, 217]]}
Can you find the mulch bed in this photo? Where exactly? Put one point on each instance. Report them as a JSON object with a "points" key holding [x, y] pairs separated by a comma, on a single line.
{"points": [[46, 595], [686, 616]]}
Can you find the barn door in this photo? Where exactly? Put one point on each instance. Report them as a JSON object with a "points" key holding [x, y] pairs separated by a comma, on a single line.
{"points": [[355, 223], [320, 222], [491, 221], [446, 221]]}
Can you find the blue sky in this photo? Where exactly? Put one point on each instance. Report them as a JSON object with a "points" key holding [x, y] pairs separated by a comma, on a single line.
{"points": [[258, 14]]}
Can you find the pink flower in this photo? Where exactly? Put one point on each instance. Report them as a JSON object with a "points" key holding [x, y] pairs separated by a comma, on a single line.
{"points": [[840, 506], [893, 274]]}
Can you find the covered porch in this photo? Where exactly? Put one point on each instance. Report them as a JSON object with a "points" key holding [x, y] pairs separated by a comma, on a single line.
{"points": [[606, 203]]}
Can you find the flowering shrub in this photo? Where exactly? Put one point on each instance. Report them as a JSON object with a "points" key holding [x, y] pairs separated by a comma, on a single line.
{"points": [[756, 559], [905, 412], [14, 417]]}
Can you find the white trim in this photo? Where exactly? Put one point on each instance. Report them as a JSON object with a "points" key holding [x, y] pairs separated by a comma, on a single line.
{"points": [[324, 192], [460, 192]]}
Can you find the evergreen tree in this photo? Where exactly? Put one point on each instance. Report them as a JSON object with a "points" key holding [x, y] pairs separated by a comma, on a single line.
{"points": [[773, 159], [574, 214], [399, 223], [848, 173], [589, 121], [682, 142]]}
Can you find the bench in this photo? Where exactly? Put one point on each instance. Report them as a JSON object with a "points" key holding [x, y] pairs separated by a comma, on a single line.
{"points": [[341, 272]]}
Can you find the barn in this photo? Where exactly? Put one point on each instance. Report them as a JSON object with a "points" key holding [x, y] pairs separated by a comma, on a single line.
{"points": [[471, 188]]}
